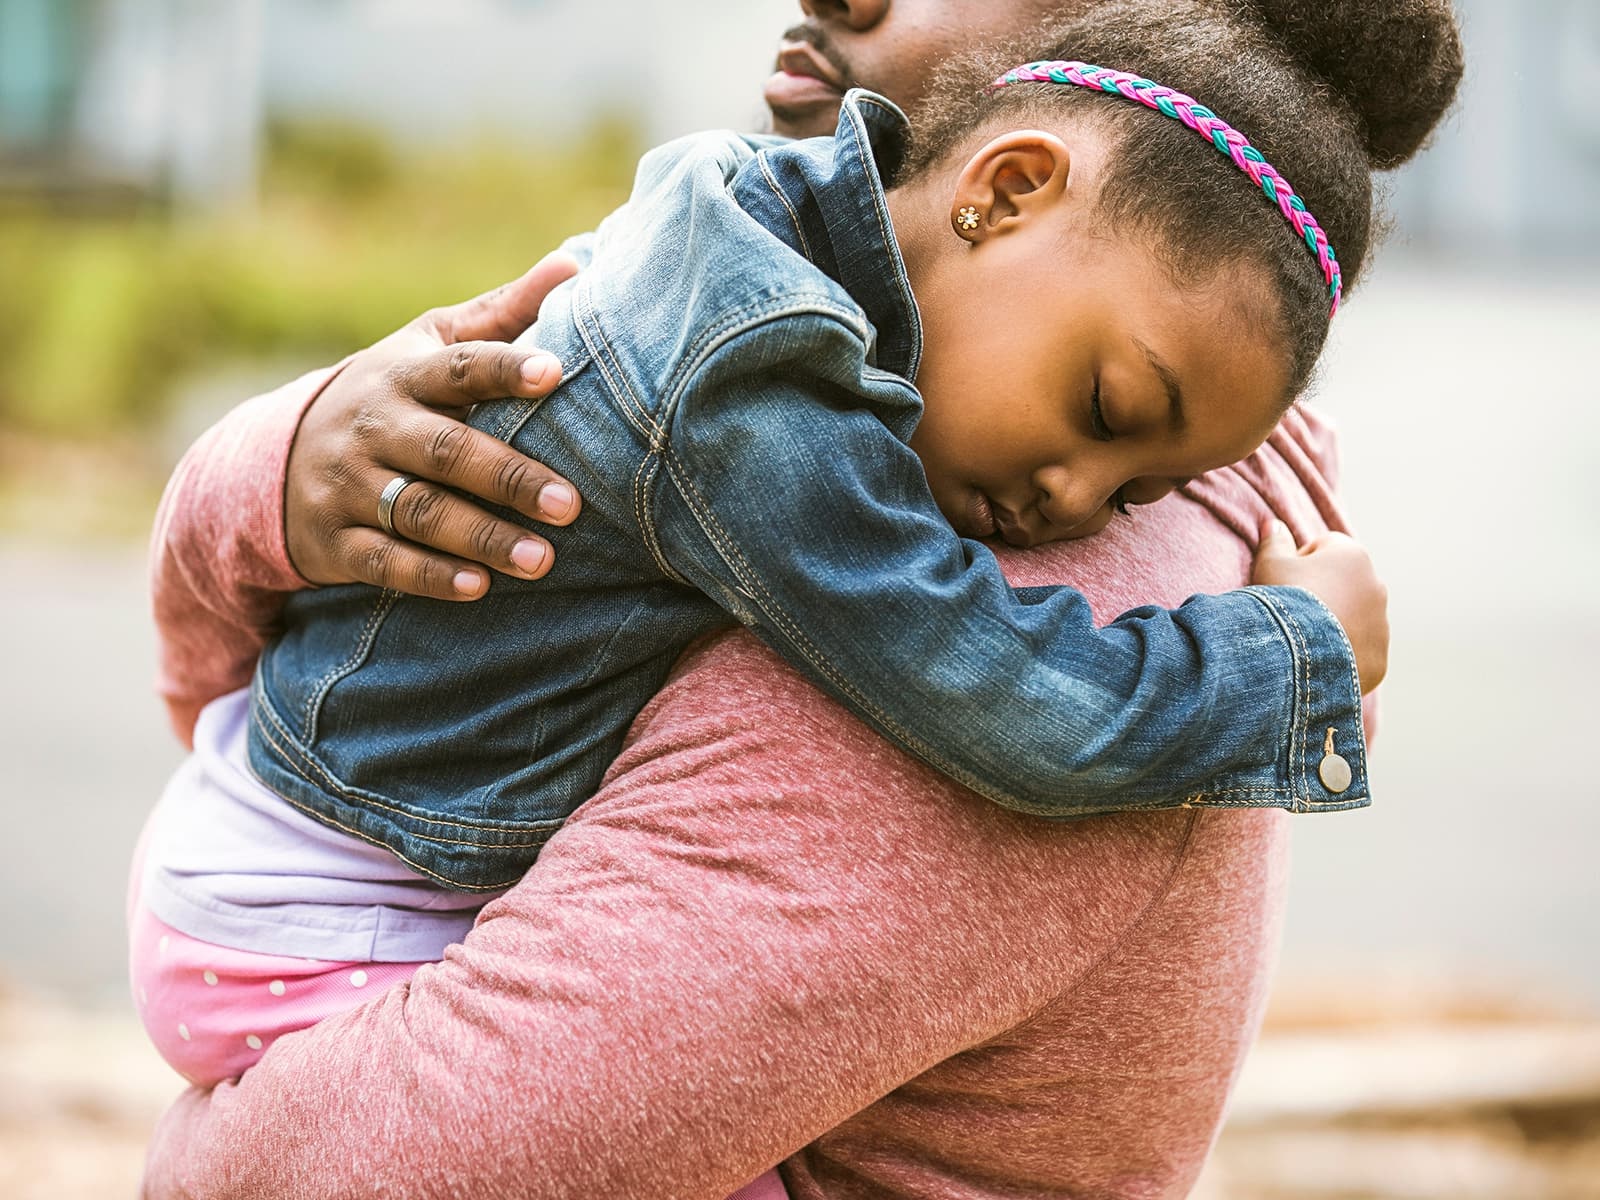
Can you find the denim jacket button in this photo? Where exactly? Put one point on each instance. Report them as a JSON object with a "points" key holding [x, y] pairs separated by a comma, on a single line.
{"points": [[1334, 770]]}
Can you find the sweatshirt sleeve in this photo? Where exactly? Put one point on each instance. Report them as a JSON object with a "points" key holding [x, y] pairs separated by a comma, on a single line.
{"points": [[219, 564]]}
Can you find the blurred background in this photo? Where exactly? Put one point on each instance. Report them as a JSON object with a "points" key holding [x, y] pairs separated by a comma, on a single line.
{"points": [[201, 198]]}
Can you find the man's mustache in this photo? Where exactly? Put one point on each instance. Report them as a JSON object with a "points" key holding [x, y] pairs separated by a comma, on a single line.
{"points": [[817, 38]]}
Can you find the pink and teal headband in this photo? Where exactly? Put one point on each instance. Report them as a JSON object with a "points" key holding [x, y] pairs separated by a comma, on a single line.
{"points": [[1208, 125]]}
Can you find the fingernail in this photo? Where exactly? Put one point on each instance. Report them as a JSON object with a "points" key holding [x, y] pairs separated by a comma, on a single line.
{"points": [[528, 555], [556, 500], [536, 369], [468, 583]]}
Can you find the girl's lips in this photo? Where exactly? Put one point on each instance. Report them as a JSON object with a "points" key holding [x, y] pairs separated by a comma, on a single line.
{"points": [[1011, 530], [980, 517]]}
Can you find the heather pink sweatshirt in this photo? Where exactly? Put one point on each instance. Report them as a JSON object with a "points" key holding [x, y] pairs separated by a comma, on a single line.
{"points": [[771, 936]]}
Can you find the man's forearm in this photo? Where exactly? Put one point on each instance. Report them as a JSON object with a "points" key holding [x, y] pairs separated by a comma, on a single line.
{"points": [[219, 569]]}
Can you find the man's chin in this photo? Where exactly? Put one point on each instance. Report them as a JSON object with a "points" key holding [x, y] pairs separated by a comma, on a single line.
{"points": [[812, 121]]}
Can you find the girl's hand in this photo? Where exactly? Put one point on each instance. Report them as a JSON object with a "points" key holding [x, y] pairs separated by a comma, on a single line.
{"points": [[396, 409], [1339, 572]]}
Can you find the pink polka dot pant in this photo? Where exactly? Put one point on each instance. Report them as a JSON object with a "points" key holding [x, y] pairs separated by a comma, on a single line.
{"points": [[212, 1011]]}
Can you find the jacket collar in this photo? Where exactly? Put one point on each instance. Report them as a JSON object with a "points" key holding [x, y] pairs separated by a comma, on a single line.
{"points": [[824, 197]]}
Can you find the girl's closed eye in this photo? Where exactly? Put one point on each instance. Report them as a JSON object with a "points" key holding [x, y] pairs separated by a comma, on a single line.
{"points": [[1104, 433], [1097, 417]]}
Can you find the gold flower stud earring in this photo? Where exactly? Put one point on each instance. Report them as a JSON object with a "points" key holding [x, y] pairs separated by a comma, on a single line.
{"points": [[967, 218]]}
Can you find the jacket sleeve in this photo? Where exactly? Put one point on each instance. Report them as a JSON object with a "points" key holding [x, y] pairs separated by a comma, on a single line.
{"points": [[219, 565], [795, 502]]}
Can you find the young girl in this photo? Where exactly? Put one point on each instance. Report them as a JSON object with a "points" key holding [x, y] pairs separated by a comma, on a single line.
{"points": [[1107, 307]]}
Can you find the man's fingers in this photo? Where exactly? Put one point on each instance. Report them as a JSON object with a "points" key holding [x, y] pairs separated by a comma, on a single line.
{"points": [[465, 374], [505, 313], [371, 556], [439, 519], [446, 451]]}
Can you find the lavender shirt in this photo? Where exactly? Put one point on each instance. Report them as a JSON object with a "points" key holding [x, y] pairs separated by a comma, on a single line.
{"points": [[230, 862]]}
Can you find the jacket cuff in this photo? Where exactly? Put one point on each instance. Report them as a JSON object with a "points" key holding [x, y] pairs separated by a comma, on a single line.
{"points": [[1325, 757]]}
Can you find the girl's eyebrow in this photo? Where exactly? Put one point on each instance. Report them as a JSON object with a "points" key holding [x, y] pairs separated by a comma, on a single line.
{"points": [[1176, 418]]}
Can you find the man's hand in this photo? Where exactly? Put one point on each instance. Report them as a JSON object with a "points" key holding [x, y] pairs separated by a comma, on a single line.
{"points": [[396, 409], [1339, 572]]}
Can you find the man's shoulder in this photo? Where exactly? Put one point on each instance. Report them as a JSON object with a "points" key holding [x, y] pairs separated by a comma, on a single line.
{"points": [[715, 151], [683, 258]]}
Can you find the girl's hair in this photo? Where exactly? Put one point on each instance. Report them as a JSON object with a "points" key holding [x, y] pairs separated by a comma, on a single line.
{"points": [[1327, 90]]}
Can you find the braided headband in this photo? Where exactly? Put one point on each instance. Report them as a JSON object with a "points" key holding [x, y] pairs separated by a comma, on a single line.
{"points": [[1208, 125]]}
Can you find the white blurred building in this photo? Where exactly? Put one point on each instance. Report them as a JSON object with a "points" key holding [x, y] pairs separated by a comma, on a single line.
{"points": [[1517, 166], [426, 70], [172, 94], [149, 95]]}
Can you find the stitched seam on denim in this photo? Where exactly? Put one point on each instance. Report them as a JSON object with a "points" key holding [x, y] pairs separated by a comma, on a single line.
{"points": [[751, 313], [705, 343], [1303, 688], [1253, 790], [638, 507], [1355, 676], [1291, 802], [741, 320], [512, 416], [626, 400], [1300, 659], [646, 424], [885, 229], [319, 690], [742, 571], [323, 818], [1301, 718], [300, 762], [588, 326], [736, 562], [646, 526], [732, 325], [633, 411], [871, 372], [794, 217], [523, 411]]}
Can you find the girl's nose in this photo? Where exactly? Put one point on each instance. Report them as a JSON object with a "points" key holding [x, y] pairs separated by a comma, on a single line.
{"points": [[859, 15], [1069, 498]]}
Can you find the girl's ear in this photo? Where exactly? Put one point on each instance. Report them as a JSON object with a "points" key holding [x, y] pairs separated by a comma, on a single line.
{"points": [[1007, 184]]}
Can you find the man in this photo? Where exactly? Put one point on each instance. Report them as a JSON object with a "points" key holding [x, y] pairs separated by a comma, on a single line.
{"points": [[770, 934]]}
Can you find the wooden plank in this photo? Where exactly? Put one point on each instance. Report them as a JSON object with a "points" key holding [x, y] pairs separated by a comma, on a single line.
{"points": [[1403, 1070]]}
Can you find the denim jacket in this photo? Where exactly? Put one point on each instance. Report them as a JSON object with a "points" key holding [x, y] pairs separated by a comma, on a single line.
{"points": [[737, 403]]}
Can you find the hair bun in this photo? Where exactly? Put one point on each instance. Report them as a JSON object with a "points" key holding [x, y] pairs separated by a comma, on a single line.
{"points": [[1395, 63]]}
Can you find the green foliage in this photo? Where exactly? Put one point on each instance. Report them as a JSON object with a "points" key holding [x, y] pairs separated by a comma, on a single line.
{"points": [[102, 316]]}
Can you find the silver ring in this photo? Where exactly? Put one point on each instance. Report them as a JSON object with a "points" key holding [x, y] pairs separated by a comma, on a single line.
{"points": [[386, 502]]}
